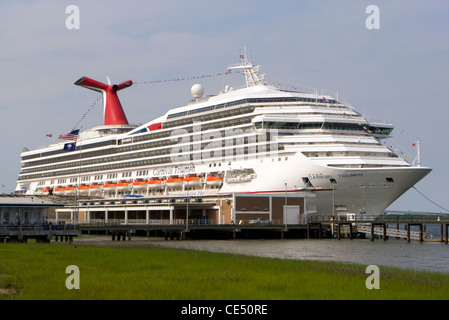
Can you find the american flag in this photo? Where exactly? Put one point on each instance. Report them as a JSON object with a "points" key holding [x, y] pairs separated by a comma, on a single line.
{"points": [[73, 135]]}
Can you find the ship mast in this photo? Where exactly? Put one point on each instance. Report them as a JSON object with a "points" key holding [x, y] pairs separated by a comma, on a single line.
{"points": [[417, 161], [250, 71]]}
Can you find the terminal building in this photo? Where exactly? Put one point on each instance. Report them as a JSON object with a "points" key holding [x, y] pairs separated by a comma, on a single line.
{"points": [[244, 208], [25, 211]]}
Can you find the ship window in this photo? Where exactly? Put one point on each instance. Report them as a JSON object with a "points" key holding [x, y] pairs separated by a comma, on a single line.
{"points": [[390, 180]]}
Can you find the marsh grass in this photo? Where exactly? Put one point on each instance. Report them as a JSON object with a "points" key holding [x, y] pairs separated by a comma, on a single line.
{"points": [[37, 271]]}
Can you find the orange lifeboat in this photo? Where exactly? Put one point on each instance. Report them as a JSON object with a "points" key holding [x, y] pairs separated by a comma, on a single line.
{"points": [[95, 188], [174, 182], [83, 189], [59, 191], [69, 190], [47, 191], [140, 184], [124, 185], [156, 183], [110, 186], [214, 180], [193, 180]]}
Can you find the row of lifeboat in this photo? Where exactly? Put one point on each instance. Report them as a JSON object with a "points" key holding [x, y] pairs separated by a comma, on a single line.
{"points": [[139, 184]]}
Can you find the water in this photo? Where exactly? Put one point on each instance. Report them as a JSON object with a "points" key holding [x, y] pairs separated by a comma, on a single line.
{"points": [[427, 256]]}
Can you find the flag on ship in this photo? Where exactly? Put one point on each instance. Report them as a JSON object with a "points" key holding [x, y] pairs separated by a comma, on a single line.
{"points": [[71, 146], [73, 135]]}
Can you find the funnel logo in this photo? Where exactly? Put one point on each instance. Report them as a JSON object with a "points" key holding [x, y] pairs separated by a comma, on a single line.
{"points": [[112, 108]]}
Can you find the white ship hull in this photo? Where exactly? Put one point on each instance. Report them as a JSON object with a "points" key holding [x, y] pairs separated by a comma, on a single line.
{"points": [[354, 191]]}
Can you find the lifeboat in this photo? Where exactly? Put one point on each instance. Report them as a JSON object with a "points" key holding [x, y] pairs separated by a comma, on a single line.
{"points": [[47, 191], [83, 189], [140, 184], [156, 183], [95, 188], [70, 190], [59, 191], [39, 191], [193, 180], [124, 185], [174, 182], [214, 180], [110, 186]]}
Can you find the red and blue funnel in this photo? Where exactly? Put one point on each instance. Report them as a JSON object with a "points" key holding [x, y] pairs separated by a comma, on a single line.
{"points": [[112, 108]]}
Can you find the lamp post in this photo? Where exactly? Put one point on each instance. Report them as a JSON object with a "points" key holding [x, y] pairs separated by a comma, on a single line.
{"points": [[187, 211], [285, 209], [333, 183]]}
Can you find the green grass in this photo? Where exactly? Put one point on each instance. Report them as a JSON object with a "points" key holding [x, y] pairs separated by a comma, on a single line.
{"points": [[37, 271]]}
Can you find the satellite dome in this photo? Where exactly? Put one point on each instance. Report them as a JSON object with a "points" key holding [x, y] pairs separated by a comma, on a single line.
{"points": [[197, 91]]}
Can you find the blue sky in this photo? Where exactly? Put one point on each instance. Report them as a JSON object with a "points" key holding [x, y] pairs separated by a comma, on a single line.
{"points": [[398, 74]]}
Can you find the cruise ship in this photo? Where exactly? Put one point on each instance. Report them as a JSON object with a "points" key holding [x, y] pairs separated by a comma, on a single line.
{"points": [[257, 139]]}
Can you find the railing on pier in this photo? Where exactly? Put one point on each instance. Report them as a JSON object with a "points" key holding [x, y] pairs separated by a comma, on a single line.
{"points": [[386, 218], [40, 232], [44, 227], [116, 222], [416, 235]]}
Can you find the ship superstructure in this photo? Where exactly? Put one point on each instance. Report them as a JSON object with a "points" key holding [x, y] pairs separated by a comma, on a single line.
{"points": [[257, 139]]}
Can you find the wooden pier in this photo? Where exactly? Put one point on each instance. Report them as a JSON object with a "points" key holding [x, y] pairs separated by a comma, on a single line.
{"points": [[317, 227], [209, 231], [379, 225], [41, 233]]}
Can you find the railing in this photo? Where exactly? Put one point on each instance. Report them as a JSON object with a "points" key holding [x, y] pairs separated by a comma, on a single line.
{"points": [[145, 221], [340, 218], [391, 232], [103, 222], [388, 218], [42, 227]]}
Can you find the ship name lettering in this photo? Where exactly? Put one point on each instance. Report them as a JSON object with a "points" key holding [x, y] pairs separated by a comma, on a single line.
{"points": [[350, 175], [174, 170], [315, 176]]}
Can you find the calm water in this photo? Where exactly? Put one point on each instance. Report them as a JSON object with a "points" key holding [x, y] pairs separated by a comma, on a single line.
{"points": [[430, 256]]}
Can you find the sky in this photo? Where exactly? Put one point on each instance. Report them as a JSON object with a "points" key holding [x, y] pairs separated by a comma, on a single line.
{"points": [[397, 73]]}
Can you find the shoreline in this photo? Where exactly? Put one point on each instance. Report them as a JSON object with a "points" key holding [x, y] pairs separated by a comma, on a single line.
{"points": [[186, 274], [396, 254]]}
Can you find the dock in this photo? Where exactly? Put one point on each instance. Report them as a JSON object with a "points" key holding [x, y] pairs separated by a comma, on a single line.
{"points": [[41, 233], [317, 227], [198, 230], [386, 226], [381, 227], [237, 216]]}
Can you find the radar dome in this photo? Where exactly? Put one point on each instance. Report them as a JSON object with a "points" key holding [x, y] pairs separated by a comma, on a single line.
{"points": [[197, 91]]}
